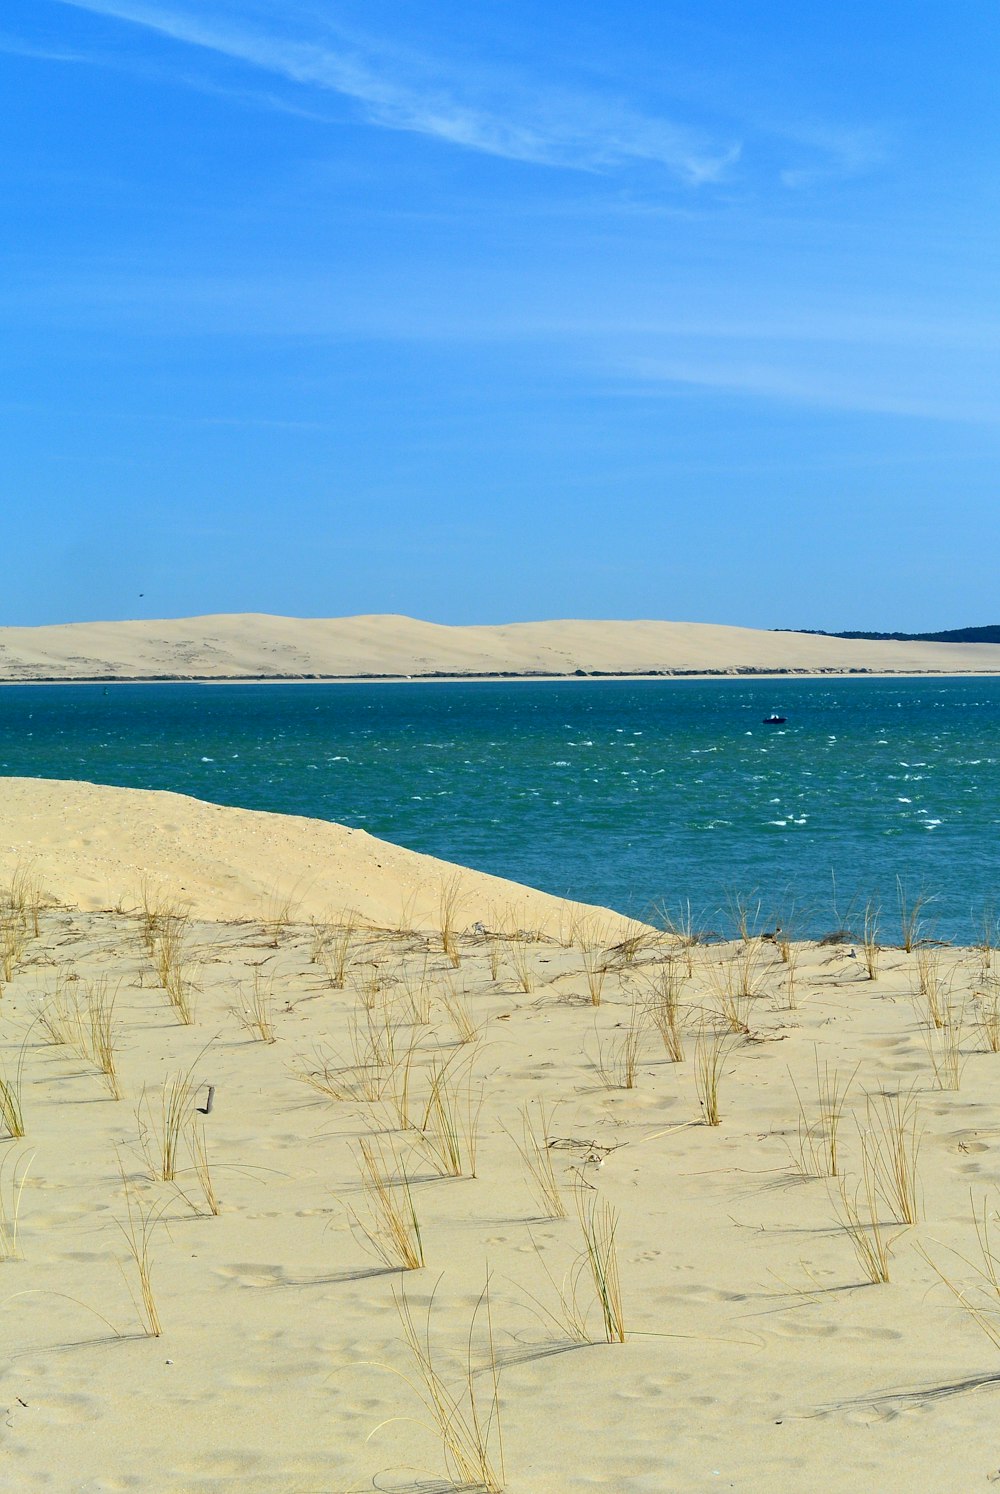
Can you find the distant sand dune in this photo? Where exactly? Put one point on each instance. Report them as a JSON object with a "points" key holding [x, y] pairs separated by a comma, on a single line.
{"points": [[252, 645]]}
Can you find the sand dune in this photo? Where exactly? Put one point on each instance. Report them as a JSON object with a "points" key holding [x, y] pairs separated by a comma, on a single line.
{"points": [[97, 847], [747, 1346], [254, 646]]}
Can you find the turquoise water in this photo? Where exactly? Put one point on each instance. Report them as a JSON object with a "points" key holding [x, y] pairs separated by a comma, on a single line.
{"points": [[627, 793]]}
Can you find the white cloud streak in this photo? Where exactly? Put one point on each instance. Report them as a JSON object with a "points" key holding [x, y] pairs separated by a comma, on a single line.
{"points": [[574, 131]]}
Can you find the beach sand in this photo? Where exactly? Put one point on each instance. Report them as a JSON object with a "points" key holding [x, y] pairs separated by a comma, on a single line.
{"points": [[757, 1354], [252, 645]]}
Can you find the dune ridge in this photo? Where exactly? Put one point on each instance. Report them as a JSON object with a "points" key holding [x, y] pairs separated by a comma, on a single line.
{"points": [[256, 646], [98, 847]]}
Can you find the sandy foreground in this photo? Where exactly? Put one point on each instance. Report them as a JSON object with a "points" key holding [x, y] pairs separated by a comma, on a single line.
{"points": [[251, 645], [359, 1057]]}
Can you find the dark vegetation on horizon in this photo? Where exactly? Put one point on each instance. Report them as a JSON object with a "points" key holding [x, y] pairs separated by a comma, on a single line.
{"points": [[989, 634]]}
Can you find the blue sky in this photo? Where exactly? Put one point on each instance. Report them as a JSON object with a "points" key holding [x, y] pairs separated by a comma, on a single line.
{"points": [[498, 311]]}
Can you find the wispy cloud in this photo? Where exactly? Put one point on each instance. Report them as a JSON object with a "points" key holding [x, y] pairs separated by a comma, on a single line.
{"points": [[13, 46], [916, 397], [542, 126]]}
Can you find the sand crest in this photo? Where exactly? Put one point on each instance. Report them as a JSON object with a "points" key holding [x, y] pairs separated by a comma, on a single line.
{"points": [[355, 1067]]}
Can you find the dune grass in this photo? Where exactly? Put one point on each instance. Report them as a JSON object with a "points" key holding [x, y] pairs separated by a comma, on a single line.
{"points": [[536, 1155], [465, 1419], [595, 970], [618, 1055], [254, 1009], [102, 1032], [337, 949], [894, 1131], [818, 1140], [174, 966], [456, 1004], [911, 921], [711, 1050], [392, 1229], [198, 1150], [944, 1047], [519, 952], [161, 1135], [138, 1227], [449, 901], [857, 1215], [448, 1130], [11, 1191], [986, 1012], [663, 1008], [871, 949], [599, 1223]]}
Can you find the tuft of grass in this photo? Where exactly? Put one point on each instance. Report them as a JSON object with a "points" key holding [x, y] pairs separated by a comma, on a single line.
{"points": [[818, 1140], [911, 923], [857, 1215], [533, 1146], [449, 1127], [11, 1190], [681, 928], [617, 1061], [25, 897], [449, 900], [198, 1148], [869, 938], [599, 1223], [161, 1137], [987, 1014], [11, 1107], [944, 1048], [790, 960], [62, 1018], [466, 1420], [80, 1016], [456, 1005], [155, 910], [335, 954], [744, 910], [894, 1132], [278, 915], [988, 941], [392, 1229], [930, 984], [173, 966], [711, 1050], [103, 1034], [664, 1009], [138, 1226], [371, 984], [255, 1008], [519, 953], [595, 969], [733, 986]]}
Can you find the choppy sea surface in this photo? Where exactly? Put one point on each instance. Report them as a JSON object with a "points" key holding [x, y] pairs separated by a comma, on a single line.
{"points": [[633, 794]]}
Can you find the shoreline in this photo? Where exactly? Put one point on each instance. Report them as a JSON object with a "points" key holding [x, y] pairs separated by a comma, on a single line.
{"points": [[665, 676]]}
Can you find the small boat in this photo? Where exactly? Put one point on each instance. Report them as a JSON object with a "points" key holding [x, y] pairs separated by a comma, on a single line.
{"points": [[775, 720]]}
